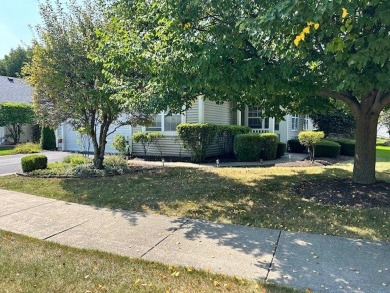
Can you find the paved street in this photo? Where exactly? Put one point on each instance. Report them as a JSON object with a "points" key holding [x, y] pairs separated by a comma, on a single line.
{"points": [[11, 164], [321, 263]]}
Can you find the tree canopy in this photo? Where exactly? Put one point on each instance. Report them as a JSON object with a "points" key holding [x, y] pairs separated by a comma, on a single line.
{"points": [[13, 116], [283, 56], [12, 63]]}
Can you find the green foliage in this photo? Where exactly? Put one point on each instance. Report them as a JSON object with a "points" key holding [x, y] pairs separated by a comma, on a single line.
{"points": [[48, 139], [247, 147], [226, 134], [269, 146], [142, 138], [117, 163], [337, 121], [27, 148], [347, 146], [327, 148], [13, 116], [119, 143], [34, 162], [281, 150], [294, 146], [75, 160], [155, 138], [309, 140], [12, 63], [197, 138]]}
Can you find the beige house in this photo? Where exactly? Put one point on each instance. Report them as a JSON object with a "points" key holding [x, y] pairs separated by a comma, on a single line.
{"points": [[202, 111]]}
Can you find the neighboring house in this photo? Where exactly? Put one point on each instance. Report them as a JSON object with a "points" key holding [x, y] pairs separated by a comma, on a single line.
{"points": [[18, 91], [202, 111]]}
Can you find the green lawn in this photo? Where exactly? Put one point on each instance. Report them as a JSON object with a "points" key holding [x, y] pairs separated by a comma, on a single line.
{"points": [[6, 150], [31, 265], [261, 197], [383, 153]]}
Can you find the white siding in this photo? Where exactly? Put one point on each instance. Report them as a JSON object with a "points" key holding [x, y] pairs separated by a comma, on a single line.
{"points": [[169, 145], [192, 114], [2, 133], [217, 114]]}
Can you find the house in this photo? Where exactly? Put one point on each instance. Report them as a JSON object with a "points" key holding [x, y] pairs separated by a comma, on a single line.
{"points": [[202, 111], [18, 91]]}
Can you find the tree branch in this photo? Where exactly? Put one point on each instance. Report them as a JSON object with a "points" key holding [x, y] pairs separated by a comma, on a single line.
{"points": [[385, 100], [349, 99]]}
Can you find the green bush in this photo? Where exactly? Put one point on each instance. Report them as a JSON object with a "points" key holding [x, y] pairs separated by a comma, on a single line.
{"points": [[269, 146], [226, 134], [347, 146], [327, 148], [142, 138], [309, 140], [33, 162], [119, 143], [281, 150], [27, 148], [197, 138], [76, 160], [115, 161], [294, 146], [247, 147], [155, 138], [48, 139]]}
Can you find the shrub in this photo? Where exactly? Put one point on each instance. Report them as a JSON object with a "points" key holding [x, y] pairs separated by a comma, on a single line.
{"points": [[33, 162], [197, 138], [327, 148], [119, 143], [309, 140], [76, 160], [48, 139], [294, 146], [142, 138], [115, 161], [87, 171], [154, 138], [27, 148], [269, 146], [247, 147], [347, 146], [281, 149], [226, 134]]}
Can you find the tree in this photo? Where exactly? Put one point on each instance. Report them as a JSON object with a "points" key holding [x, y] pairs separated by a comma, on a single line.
{"points": [[290, 54], [12, 63], [339, 121], [309, 140], [13, 116], [69, 85], [48, 139]]}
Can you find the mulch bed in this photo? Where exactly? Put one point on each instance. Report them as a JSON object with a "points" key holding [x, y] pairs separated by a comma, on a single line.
{"points": [[317, 162], [343, 192]]}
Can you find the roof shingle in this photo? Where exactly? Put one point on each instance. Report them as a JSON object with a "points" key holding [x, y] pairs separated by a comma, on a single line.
{"points": [[15, 90]]}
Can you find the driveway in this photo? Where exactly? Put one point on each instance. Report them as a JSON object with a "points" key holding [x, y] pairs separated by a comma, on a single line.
{"points": [[11, 164]]}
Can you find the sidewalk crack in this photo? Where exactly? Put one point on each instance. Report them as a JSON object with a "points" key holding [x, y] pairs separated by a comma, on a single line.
{"points": [[27, 209], [67, 229], [162, 240], [273, 256]]}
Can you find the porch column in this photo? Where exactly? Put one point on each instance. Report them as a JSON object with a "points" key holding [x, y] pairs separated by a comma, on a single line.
{"points": [[238, 117], [271, 124], [201, 109]]}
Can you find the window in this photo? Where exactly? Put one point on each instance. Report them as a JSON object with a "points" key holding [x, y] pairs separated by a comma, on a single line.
{"points": [[255, 119], [294, 122], [306, 123], [164, 123]]}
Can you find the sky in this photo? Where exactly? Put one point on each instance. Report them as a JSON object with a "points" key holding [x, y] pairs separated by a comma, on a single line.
{"points": [[15, 18]]}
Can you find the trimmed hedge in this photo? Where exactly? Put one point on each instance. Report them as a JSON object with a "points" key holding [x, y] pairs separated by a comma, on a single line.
{"points": [[281, 149], [247, 147], [347, 146], [269, 146], [226, 134], [294, 146], [33, 162], [48, 139], [197, 138], [327, 148]]}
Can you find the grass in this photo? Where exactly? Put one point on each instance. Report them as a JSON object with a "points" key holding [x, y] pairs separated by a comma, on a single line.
{"points": [[261, 197], [6, 150], [31, 265], [27, 148]]}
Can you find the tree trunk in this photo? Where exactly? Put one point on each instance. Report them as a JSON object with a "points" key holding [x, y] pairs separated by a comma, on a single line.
{"points": [[365, 152]]}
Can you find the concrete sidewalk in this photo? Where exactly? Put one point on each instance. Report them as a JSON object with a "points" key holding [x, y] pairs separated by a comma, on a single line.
{"points": [[321, 263]]}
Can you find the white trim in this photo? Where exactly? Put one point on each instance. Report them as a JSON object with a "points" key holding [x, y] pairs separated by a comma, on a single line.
{"points": [[200, 109], [239, 117], [271, 124]]}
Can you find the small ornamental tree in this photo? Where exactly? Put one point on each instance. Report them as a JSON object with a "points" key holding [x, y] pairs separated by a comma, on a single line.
{"points": [[309, 139], [119, 143], [48, 139], [13, 116]]}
